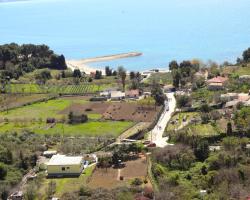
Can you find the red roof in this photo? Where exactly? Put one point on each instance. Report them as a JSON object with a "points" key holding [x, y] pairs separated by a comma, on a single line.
{"points": [[132, 93], [217, 79]]}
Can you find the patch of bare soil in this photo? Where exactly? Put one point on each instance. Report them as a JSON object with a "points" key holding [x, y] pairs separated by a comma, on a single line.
{"points": [[130, 112], [95, 107], [107, 178]]}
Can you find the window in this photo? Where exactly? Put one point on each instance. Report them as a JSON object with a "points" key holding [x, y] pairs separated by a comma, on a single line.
{"points": [[63, 168]]}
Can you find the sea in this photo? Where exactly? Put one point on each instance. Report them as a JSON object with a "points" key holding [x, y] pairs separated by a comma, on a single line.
{"points": [[163, 30]]}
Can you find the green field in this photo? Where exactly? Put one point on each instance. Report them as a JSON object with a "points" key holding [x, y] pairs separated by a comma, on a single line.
{"points": [[56, 89], [41, 110], [204, 130], [33, 117], [91, 128]]}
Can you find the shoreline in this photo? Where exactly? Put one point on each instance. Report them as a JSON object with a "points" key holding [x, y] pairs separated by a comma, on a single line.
{"points": [[82, 64]]}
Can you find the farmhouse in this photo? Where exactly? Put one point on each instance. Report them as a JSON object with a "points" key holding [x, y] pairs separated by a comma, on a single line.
{"points": [[217, 83], [117, 95], [132, 94], [61, 165]]}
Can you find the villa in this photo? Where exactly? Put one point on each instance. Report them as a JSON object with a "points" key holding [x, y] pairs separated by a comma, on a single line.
{"points": [[61, 165], [217, 83]]}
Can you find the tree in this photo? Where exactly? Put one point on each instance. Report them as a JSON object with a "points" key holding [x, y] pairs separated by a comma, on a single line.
{"points": [[98, 74], [3, 171], [122, 74], [246, 55], [108, 71], [132, 75], [43, 76], [158, 94], [63, 74], [77, 73], [173, 65], [183, 101], [201, 150], [58, 62], [215, 115], [205, 108], [229, 129], [205, 117]]}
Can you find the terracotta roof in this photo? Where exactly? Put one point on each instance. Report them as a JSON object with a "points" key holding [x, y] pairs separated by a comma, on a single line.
{"points": [[218, 79], [132, 93]]}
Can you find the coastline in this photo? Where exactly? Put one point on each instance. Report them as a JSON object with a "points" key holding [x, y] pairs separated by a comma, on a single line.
{"points": [[82, 64]]}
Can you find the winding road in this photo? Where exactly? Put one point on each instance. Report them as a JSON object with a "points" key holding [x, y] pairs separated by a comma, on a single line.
{"points": [[156, 135]]}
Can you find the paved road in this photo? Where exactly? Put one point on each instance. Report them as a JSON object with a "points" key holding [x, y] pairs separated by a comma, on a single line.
{"points": [[157, 133]]}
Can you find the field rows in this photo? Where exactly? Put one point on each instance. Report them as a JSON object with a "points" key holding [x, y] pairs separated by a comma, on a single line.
{"points": [[64, 89]]}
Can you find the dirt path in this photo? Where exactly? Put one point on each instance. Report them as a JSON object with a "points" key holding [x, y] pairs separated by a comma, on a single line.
{"points": [[118, 174]]}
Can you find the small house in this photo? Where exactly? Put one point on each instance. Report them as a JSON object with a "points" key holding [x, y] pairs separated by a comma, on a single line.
{"points": [[105, 94], [217, 83], [132, 94], [117, 95], [244, 78], [229, 97], [61, 165]]}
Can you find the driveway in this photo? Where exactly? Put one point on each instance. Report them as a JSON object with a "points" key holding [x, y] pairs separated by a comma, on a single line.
{"points": [[156, 135]]}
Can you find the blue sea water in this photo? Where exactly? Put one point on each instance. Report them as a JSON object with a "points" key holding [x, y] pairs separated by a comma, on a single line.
{"points": [[162, 30]]}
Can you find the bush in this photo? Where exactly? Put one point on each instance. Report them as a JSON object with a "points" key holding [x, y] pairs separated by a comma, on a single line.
{"points": [[137, 182], [3, 171], [76, 119]]}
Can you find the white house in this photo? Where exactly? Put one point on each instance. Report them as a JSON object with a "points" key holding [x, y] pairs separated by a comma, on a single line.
{"points": [[61, 165], [117, 95]]}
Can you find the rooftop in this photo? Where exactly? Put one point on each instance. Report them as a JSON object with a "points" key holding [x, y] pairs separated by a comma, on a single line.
{"points": [[217, 79], [116, 94], [65, 160]]}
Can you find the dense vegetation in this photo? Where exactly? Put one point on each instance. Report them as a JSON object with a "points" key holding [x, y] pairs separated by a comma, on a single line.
{"points": [[16, 60]]}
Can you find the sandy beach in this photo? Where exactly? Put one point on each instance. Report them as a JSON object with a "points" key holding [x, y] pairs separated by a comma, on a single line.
{"points": [[82, 64]]}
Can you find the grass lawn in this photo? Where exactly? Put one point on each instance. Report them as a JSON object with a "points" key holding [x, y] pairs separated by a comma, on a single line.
{"points": [[64, 185], [40, 110]]}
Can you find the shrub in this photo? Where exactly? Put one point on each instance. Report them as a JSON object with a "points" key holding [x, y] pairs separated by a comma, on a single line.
{"points": [[3, 171], [137, 182]]}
